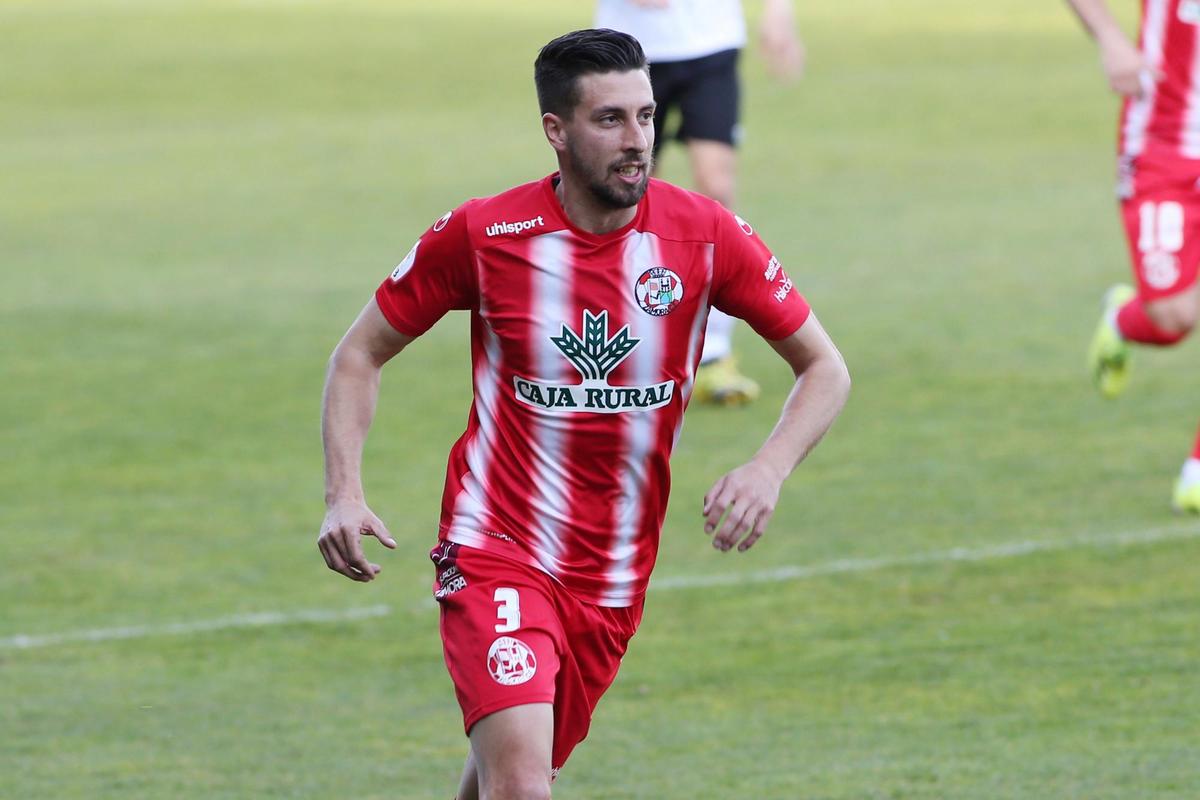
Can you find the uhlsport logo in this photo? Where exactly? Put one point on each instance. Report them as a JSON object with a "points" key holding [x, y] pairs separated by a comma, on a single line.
{"points": [[595, 355], [441, 223], [502, 227], [511, 662], [658, 291]]}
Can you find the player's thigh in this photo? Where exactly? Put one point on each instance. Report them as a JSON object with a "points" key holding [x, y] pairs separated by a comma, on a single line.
{"points": [[1162, 229], [512, 748], [710, 104], [501, 635]]}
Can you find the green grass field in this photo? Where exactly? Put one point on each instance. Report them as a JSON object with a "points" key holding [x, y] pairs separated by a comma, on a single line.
{"points": [[197, 198]]}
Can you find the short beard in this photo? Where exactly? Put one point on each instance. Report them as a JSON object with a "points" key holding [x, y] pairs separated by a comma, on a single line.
{"points": [[614, 198]]}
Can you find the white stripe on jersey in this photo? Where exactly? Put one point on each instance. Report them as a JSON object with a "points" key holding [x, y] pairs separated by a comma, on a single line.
{"points": [[552, 306], [470, 517], [645, 364], [1154, 28], [1190, 146]]}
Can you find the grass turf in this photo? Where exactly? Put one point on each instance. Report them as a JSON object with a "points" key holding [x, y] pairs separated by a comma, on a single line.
{"points": [[198, 197]]}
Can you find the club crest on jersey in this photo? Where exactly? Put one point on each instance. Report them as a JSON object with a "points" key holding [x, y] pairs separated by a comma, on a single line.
{"points": [[594, 355], [658, 291], [511, 662]]}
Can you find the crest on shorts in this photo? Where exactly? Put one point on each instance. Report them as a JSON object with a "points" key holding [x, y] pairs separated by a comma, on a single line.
{"points": [[511, 662], [658, 291]]}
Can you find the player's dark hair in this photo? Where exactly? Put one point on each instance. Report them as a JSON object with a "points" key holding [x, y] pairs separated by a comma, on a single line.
{"points": [[559, 65]]}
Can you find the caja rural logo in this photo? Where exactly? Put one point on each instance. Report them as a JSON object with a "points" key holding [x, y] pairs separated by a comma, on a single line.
{"points": [[595, 355]]}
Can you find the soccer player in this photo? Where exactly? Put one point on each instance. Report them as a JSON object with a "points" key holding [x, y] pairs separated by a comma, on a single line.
{"points": [[588, 291], [693, 48], [1158, 184]]}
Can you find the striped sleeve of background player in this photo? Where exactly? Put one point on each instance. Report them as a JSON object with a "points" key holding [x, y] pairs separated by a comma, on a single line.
{"points": [[750, 283], [436, 276]]}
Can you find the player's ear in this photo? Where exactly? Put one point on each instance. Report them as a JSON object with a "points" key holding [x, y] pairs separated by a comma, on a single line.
{"points": [[555, 130]]}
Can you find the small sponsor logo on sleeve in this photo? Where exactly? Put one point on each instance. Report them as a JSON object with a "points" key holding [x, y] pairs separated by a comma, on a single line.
{"points": [[773, 267], [785, 288], [745, 226], [404, 266], [441, 223]]}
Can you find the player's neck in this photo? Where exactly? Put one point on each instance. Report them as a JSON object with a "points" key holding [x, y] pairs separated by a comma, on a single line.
{"points": [[586, 213]]}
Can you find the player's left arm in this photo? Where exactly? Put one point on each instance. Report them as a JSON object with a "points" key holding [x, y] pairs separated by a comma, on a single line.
{"points": [[750, 492]]}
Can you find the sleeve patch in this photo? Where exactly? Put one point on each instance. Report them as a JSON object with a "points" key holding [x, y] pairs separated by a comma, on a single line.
{"points": [[404, 266]]}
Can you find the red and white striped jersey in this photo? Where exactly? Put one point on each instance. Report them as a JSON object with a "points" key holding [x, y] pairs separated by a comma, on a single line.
{"points": [[1164, 124], [584, 349]]}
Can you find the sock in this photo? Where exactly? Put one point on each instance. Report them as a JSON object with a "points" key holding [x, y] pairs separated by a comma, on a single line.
{"points": [[1190, 473], [1134, 326], [718, 336], [1196, 448]]}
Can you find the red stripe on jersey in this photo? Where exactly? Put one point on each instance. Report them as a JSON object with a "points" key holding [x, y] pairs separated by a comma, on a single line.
{"points": [[584, 352], [1164, 124]]}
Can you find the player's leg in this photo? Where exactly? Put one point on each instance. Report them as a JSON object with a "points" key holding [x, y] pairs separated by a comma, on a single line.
{"points": [[1186, 497], [714, 169], [710, 109], [501, 636], [511, 753], [468, 784], [1163, 232]]}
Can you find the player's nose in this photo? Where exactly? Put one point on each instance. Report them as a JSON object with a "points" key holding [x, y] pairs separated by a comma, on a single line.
{"points": [[636, 138]]}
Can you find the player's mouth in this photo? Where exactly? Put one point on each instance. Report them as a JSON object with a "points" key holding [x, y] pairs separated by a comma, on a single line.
{"points": [[631, 173]]}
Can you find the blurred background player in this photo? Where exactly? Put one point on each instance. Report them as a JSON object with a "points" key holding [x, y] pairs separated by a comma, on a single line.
{"points": [[693, 48], [1158, 172]]}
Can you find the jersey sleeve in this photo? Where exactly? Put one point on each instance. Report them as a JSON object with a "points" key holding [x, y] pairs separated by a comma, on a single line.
{"points": [[436, 276], [750, 283]]}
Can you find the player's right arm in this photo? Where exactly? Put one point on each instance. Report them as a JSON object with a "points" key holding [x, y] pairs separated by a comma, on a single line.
{"points": [[347, 408], [1124, 65]]}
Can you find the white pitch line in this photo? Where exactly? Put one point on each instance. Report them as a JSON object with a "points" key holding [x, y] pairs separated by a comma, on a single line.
{"points": [[261, 620], [665, 584], [957, 554]]}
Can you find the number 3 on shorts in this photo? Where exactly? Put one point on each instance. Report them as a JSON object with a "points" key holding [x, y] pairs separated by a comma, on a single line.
{"points": [[509, 611]]}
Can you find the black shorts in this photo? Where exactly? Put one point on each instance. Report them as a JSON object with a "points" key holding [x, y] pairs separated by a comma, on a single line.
{"points": [[707, 94]]}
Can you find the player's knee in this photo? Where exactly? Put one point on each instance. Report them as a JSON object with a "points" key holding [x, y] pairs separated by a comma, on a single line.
{"points": [[1176, 316], [516, 786]]}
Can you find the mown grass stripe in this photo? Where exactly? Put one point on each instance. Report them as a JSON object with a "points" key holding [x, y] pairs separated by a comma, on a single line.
{"points": [[665, 584]]}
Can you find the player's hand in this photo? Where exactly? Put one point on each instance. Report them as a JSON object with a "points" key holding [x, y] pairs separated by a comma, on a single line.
{"points": [[340, 541], [746, 497], [781, 49], [1129, 73]]}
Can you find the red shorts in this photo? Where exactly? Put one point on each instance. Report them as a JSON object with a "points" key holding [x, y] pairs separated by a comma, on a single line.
{"points": [[1162, 225], [511, 635]]}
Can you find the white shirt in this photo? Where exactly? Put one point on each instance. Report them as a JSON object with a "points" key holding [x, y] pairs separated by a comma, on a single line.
{"points": [[685, 29]]}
